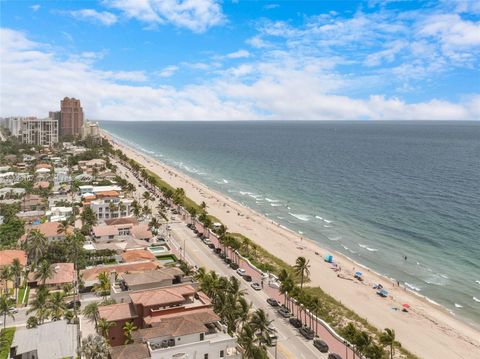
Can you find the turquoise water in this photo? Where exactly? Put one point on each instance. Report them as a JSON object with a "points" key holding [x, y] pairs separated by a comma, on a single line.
{"points": [[375, 191]]}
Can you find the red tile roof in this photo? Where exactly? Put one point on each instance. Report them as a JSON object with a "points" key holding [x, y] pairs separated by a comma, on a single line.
{"points": [[134, 255], [7, 256], [116, 312], [163, 296]]}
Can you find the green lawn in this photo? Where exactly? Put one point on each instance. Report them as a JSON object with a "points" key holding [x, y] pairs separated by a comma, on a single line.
{"points": [[23, 294], [6, 339]]}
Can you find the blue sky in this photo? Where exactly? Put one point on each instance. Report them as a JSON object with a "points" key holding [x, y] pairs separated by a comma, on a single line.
{"points": [[243, 60]]}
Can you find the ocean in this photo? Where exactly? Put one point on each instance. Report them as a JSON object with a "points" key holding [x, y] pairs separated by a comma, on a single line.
{"points": [[378, 192]]}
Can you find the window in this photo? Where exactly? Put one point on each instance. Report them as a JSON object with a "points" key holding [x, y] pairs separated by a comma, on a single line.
{"points": [[205, 356], [202, 336], [222, 354]]}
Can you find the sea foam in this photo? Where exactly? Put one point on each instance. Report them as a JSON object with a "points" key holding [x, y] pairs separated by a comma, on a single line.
{"points": [[302, 217]]}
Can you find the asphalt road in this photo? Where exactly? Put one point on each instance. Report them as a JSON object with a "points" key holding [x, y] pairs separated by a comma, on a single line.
{"points": [[290, 343]]}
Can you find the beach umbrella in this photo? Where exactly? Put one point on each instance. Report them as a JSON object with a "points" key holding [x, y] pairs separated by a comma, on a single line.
{"points": [[406, 306]]}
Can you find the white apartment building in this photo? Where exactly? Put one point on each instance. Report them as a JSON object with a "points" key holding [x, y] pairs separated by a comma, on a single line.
{"points": [[112, 207], [40, 132]]}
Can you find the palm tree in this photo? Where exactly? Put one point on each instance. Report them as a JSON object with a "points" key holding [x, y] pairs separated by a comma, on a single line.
{"points": [[6, 309], [387, 338], [36, 246], [301, 268], [247, 341], [362, 340], [91, 313], [146, 197], [128, 330], [63, 227], [261, 325], [154, 224], [39, 305], [286, 284], [103, 286], [16, 269], [104, 326], [44, 272], [56, 305], [94, 347], [203, 206], [6, 275]]}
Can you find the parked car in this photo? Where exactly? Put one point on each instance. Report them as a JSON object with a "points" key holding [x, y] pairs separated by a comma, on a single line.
{"points": [[256, 286], [195, 231], [320, 345], [211, 245], [199, 234], [241, 272], [284, 312], [227, 260], [308, 333], [218, 250], [207, 242], [234, 266], [273, 302], [222, 255], [247, 278], [13, 310], [74, 303], [334, 356], [297, 323]]}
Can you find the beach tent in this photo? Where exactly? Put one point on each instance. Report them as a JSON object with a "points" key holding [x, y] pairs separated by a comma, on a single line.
{"points": [[329, 258]]}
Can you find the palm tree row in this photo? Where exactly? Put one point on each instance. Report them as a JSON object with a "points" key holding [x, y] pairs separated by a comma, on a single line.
{"points": [[253, 329]]}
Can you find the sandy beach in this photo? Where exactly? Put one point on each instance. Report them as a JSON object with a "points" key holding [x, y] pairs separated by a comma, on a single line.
{"points": [[427, 330]]}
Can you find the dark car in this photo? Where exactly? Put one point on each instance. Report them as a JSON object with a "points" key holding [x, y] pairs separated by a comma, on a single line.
{"points": [[297, 323], [307, 333], [247, 278], [334, 356], [273, 302], [222, 255], [195, 231], [234, 266], [218, 250], [189, 225], [211, 245], [227, 260], [320, 345], [199, 234], [284, 312], [73, 303]]}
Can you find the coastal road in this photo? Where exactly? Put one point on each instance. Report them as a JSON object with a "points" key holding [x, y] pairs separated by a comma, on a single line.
{"points": [[290, 343]]}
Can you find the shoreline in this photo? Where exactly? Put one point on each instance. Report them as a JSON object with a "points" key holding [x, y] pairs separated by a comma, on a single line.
{"points": [[428, 330]]}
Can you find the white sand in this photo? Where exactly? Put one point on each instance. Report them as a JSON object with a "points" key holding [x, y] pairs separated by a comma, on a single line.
{"points": [[427, 330]]}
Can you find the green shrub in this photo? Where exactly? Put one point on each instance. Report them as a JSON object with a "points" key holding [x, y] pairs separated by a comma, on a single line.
{"points": [[6, 339]]}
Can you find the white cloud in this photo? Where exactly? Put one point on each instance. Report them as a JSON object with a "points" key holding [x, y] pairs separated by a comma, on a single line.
{"points": [[196, 15], [452, 30], [238, 54], [386, 55], [167, 71], [271, 6], [129, 76], [105, 18], [279, 89], [257, 42], [35, 7]]}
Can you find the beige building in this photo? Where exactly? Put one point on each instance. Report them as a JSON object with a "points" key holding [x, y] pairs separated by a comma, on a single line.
{"points": [[39, 132]]}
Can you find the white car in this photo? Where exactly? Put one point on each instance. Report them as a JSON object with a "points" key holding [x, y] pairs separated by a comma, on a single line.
{"points": [[256, 286], [241, 272]]}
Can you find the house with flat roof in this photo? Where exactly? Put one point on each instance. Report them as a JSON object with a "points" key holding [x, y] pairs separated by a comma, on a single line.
{"points": [[58, 214], [159, 278], [33, 202], [105, 232], [197, 333], [54, 340]]}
